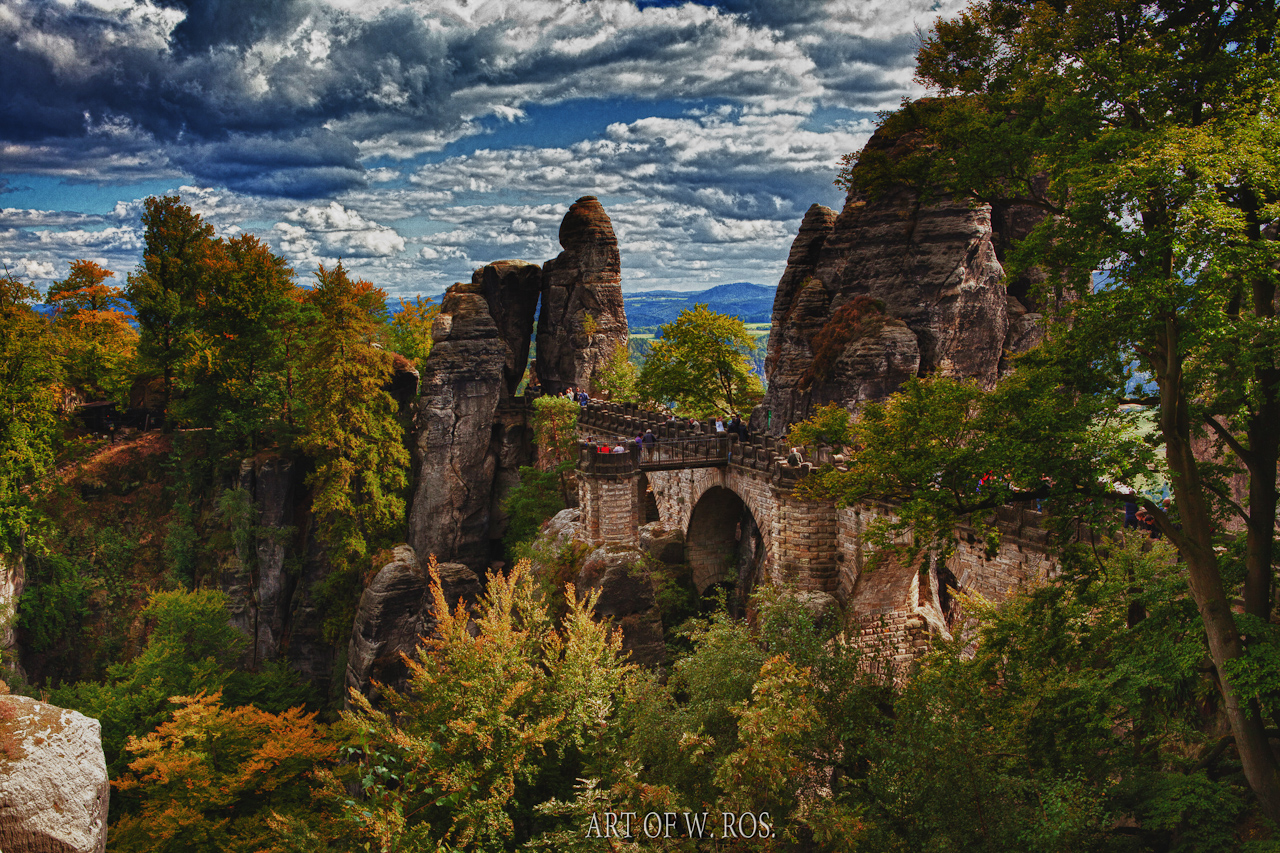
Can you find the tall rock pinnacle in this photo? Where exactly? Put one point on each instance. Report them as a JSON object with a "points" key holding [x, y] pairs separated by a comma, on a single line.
{"points": [[581, 321]]}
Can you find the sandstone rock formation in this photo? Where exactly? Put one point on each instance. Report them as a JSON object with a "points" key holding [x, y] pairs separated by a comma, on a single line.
{"points": [[582, 320], [627, 598], [889, 289], [396, 610], [53, 779], [481, 342]]}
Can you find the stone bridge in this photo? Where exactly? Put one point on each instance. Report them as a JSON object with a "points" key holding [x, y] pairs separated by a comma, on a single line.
{"points": [[736, 504]]}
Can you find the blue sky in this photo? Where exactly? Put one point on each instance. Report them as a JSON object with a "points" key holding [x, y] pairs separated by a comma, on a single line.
{"points": [[419, 139]]}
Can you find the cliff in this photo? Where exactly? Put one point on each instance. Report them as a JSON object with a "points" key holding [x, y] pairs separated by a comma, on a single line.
{"points": [[893, 287]]}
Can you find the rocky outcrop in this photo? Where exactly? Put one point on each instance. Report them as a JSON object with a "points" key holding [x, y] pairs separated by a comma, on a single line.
{"points": [[53, 779], [891, 288], [462, 383], [582, 321], [626, 598], [258, 587], [469, 440], [12, 581], [511, 289], [397, 610]]}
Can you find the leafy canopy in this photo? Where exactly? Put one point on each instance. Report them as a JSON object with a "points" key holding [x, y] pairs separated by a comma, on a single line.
{"points": [[702, 365]]}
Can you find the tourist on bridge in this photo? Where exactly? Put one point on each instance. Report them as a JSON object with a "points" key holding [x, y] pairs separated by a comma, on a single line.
{"points": [[719, 426], [647, 441], [618, 448]]}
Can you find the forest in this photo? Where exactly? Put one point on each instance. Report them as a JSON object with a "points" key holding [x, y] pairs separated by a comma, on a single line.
{"points": [[1129, 703]]}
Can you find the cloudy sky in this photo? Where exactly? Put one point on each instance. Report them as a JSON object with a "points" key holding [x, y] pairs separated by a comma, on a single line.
{"points": [[419, 139]]}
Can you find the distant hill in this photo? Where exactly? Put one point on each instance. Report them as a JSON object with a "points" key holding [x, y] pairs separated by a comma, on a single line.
{"points": [[752, 303]]}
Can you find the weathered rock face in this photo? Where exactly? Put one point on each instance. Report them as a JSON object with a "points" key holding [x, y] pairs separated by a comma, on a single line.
{"points": [[627, 598], [12, 581], [53, 779], [396, 611], [931, 272], [470, 441], [582, 320], [511, 289], [258, 587], [462, 383]]}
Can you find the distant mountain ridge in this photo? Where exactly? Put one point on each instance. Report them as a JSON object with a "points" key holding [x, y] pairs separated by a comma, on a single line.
{"points": [[752, 303]]}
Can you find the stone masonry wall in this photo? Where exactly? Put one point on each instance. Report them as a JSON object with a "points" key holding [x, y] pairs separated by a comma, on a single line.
{"points": [[610, 507]]}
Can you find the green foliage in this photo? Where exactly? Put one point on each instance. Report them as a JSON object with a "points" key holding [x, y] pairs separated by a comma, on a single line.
{"points": [[54, 603], [165, 290], [702, 365], [191, 647], [409, 332], [492, 725], [532, 501], [617, 382], [555, 430], [235, 375], [1082, 110], [830, 425], [30, 374]]}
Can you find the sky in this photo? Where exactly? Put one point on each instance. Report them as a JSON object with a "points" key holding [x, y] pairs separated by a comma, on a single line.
{"points": [[420, 139]]}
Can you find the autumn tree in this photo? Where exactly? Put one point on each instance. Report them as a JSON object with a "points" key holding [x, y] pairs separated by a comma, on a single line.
{"points": [[349, 427], [490, 725], [166, 288], [409, 332], [213, 778], [237, 374], [1148, 134], [96, 341], [701, 364]]}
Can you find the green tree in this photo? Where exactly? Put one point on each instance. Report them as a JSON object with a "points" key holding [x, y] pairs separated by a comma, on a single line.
{"points": [[30, 379], [409, 332], [830, 425], [618, 379], [351, 432], [166, 289], [1148, 132], [191, 648], [702, 364]]}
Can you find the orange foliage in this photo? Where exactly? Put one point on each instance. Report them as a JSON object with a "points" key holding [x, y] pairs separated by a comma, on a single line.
{"points": [[212, 777]]}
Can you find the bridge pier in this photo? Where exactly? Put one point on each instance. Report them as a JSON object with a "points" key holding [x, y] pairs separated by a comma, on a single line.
{"points": [[609, 495]]}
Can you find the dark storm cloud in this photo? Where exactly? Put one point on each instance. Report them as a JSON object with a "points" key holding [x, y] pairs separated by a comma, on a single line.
{"points": [[309, 165]]}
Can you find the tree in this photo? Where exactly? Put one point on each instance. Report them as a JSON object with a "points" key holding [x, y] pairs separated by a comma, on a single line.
{"points": [[491, 725], [409, 332], [166, 288], [350, 430], [1148, 133], [30, 377], [212, 778], [237, 372], [97, 343], [701, 364], [618, 379]]}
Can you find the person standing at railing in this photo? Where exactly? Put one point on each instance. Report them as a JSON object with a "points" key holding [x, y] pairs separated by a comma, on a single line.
{"points": [[647, 441], [719, 426]]}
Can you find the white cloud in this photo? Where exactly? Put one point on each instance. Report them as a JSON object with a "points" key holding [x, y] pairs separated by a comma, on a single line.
{"points": [[334, 231]]}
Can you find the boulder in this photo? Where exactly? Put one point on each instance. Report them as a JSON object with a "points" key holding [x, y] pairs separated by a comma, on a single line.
{"points": [[396, 610], [627, 598], [53, 779], [932, 270], [582, 321], [662, 543]]}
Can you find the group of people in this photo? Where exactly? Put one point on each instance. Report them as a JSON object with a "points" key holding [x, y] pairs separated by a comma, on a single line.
{"points": [[578, 395], [1140, 518], [735, 426]]}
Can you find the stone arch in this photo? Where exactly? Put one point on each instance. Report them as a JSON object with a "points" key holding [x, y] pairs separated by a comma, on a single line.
{"points": [[724, 543], [648, 502]]}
